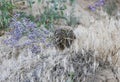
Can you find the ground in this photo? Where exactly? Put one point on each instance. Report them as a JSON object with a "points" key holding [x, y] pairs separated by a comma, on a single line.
{"points": [[96, 31]]}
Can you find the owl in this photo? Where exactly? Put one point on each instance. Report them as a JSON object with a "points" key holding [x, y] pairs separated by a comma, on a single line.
{"points": [[63, 38]]}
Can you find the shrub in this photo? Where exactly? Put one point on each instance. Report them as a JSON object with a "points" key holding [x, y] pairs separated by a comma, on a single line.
{"points": [[23, 27], [54, 11], [98, 3], [72, 20], [6, 11], [110, 7]]}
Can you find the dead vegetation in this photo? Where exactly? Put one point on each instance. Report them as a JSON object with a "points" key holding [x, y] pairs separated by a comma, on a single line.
{"points": [[88, 53]]}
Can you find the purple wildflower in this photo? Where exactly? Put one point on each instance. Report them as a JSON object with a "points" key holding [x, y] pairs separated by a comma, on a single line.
{"points": [[36, 49], [24, 27], [16, 15], [27, 43], [96, 4], [32, 36], [92, 8], [17, 33], [12, 41]]}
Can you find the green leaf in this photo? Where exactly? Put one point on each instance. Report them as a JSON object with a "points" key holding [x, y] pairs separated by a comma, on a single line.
{"points": [[39, 1]]}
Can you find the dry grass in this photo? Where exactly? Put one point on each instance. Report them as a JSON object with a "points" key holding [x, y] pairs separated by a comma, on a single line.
{"points": [[93, 56]]}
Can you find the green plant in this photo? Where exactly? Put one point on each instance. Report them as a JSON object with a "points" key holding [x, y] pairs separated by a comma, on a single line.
{"points": [[110, 7], [49, 17], [71, 75], [72, 1], [6, 11], [30, 2], [53, 12], [72, 20], [24, 15]]}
